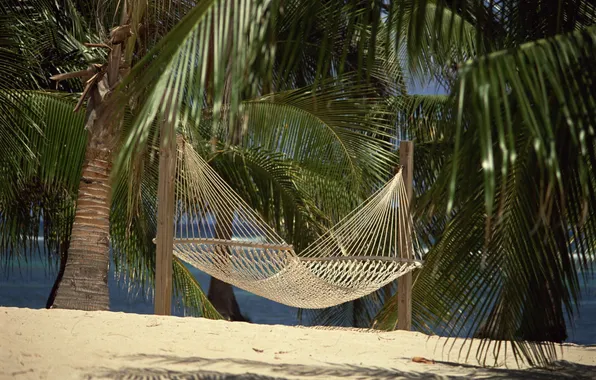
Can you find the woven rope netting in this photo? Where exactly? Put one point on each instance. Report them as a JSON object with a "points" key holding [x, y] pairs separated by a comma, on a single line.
{"points": [[218, 233]]}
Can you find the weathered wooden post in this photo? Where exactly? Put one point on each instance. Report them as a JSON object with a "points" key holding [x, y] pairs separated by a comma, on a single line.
{"points": [[165, 219], [404, 283]]}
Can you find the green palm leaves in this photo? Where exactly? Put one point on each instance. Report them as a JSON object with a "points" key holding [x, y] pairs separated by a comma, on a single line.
{"points": [[320, 148], [513, 202], [504, 163], [47, 177], [505, 184], [515, 93], [203, 60]]}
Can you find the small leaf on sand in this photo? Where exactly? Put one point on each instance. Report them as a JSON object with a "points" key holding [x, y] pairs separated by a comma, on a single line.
{"points": [[419, 359]]}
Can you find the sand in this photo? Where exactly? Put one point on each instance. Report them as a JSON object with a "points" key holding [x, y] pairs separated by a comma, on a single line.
{"points": [[61, 344]]}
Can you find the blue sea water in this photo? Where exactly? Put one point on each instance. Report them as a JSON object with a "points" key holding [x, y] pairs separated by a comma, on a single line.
{"points": [[29, 285]]}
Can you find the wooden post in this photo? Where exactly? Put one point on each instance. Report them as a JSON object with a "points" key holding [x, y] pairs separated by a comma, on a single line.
{"points": [[165, 220], [404, 283]]}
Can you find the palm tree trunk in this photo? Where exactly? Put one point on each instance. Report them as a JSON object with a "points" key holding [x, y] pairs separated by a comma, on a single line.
{"points": [[63, 259], [84, 284], [221, 294]]}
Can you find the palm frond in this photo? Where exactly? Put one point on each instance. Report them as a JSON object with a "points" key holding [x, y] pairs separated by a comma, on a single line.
{"points": [[333, 142], [133, 226], [49, 37], [513, 203], [42, 186], [538, 89], [205, 62], [434, 33], [192, 298], [204, 59], [339, 129]]}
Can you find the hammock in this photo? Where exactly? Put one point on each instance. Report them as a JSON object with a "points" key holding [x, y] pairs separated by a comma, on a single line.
{"points": [[218, 233]]}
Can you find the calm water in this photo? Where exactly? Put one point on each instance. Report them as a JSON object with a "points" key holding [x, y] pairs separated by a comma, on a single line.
{"points": [[30, 287]]}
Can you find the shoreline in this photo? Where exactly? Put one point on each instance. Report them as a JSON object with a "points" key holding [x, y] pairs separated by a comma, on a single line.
{"points": [[67, 344]]}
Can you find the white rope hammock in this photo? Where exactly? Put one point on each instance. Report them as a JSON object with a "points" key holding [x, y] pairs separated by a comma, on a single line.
{"points": [[218, 233]]}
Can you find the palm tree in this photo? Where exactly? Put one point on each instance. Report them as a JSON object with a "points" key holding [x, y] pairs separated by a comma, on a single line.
{"points": [[504, 174], [282, 196], [504, 163]]}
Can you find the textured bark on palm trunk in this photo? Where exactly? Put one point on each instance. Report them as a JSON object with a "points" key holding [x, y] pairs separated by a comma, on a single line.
{"points": [[84, 284]]}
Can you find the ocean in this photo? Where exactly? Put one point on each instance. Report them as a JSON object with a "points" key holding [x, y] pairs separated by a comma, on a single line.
{"points": [[29, 286]]}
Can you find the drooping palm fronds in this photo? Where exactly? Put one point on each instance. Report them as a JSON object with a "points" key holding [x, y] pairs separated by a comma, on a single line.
{"points": [[315, 40], [36, 41], [339, 129], [540, 88], [39, 199], [210, 48], [513, 276], [306, 157], [132, 232], [13, 106], [218, 56], [511, 208], [46, 180], [50, 36], [506, 160], [433, 35]]}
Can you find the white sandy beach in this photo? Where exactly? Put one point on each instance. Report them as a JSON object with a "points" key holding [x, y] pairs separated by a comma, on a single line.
{"points": [[59, 344]]}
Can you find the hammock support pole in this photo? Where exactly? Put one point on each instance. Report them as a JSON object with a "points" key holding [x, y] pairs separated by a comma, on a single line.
{"points": [[404, 283], [165, 216]]}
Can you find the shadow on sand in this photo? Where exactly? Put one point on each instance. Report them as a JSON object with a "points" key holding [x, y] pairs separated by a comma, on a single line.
{"points": [[162, 365]]}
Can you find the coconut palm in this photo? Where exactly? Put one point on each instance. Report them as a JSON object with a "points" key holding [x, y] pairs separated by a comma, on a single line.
{"points": [[506, 185], [356, 125], [504, 175]]}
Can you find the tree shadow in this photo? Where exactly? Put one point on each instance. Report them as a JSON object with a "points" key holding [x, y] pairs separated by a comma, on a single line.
{"points": [[157, 371], [163, 374], [557, 370]]}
